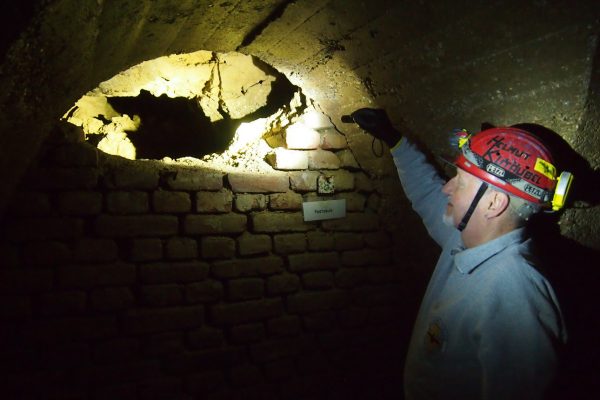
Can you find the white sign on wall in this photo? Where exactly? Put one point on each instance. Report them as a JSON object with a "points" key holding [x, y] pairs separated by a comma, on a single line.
{"points": [[325, 209]]}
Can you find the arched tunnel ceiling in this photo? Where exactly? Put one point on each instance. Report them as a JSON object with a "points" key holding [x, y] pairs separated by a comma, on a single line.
{"points": [[435, 65]]}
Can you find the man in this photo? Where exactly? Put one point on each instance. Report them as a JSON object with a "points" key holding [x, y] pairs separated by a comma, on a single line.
{"points": [[489, 322]]}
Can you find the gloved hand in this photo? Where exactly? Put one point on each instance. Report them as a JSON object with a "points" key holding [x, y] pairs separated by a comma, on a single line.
{"points": [[377, 123]]}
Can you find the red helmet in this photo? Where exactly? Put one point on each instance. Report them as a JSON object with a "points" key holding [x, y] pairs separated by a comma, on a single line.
{"points": [[511, 159]]}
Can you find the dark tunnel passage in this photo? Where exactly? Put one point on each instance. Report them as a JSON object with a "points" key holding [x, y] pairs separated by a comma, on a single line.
{"points": [[173, 127]]}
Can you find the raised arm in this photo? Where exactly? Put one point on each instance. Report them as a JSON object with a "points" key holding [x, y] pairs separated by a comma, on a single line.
{"points": [[419, 179]]}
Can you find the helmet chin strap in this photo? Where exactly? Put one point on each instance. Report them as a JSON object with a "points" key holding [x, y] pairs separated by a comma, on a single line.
{"points": [[472, 207]]}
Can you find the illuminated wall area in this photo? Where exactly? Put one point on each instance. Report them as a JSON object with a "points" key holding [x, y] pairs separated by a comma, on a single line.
{"points": [[183, 215]]}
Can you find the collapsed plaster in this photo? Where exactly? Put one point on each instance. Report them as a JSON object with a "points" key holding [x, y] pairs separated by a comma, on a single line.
{"points": [[198, 108]]}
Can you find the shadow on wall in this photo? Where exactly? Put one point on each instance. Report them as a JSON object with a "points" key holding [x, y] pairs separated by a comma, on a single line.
{"points": [[572, 269]]}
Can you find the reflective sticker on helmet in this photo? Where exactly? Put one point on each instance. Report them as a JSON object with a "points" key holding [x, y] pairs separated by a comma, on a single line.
{"points": [[533, 191], [494, 169], [545, 168]]}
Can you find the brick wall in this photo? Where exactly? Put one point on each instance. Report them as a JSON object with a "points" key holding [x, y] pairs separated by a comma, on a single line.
{"points": [[134, 279]]}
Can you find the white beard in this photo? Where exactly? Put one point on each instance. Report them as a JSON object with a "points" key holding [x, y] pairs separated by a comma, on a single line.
{"points": [[448, 220]]}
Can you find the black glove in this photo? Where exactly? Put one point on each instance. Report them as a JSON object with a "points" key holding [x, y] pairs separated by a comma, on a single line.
{"points": [[377, 123]]}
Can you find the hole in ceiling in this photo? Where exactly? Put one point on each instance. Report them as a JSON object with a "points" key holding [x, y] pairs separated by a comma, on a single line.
{"points": [[203, 106]]}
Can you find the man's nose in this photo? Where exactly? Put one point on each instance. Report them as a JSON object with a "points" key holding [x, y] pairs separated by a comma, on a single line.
{"points": [[448, 187]]}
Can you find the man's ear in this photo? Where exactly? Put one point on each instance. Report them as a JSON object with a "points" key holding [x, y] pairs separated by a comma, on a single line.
{"points": [[497, 204]]}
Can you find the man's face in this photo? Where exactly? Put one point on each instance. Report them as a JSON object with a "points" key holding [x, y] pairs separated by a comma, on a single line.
{"points": [[460, 191]]}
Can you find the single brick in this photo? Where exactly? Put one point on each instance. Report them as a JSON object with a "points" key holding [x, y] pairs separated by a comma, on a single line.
{"points": [[276, 222], [30, 204], [161, 387], [318, 280], [9, 255], [320, 321], [315, 119], [380, 295], [322, 159], [288, 160], [354, 222], [247, 333], [255, 266], [72, 329], [80, 276], [15, 307], [347, 160], [250, 244], [181, 248], [135, 175], [145, 250], [353, 317], [280, 370], [346, 278], [285, 201], [214, 202], [46, 253], [171, 202], [193, 180], [118, 350], [161, 295], [343, 180], [380, 275], [245, 375], [247, 311], [364, 257], [363, 183], [215, 224], [382, 315], [320, 241], [164, 344], [25, 280], [80, 203], [139, 321], [217, 247], [373, 202], [277, 349], [305, 181], [63, 303], [127, 202], [95, 250], [289, 243], [348, 241], [199, 384], [173, 272], [332, 140], [45, 228], [111, 298], [208, 291], [258, 183], [310, 302], [204, 338], [354, 201], [289, 325], [283, 284], [378, 240], [250, 202], [300, 136], [136, 226], [245, 289], [313, 261]]}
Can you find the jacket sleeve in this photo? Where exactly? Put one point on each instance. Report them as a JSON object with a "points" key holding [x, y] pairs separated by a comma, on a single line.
{"points": [[422, 185]]}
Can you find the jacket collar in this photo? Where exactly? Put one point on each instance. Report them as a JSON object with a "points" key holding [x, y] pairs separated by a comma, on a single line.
{"points": [[466, 260]]}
